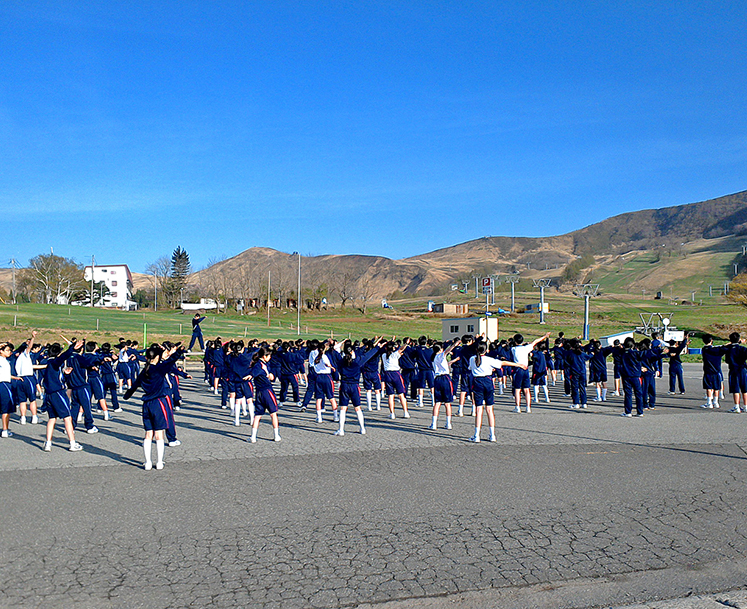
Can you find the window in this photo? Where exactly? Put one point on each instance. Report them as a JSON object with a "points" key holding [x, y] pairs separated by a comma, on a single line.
{"points": [[114, 283], [113, 272], [114, 294], [470, 328], [454, 329]]}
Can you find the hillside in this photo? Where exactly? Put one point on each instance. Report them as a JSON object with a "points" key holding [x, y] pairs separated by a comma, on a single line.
{"points": [[684, 246]]}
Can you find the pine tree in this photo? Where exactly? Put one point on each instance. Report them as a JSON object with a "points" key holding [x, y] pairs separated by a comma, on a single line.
{"points": [[180, 270]]}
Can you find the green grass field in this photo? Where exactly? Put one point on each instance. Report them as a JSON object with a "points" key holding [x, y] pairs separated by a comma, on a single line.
{"points": [[608, 314]]}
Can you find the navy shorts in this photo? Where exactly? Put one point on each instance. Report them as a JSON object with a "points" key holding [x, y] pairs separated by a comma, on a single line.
{"points": [[394, 383], [597, 376], [483, 390], [738, 381], [521, 379], [350, 392], [712, 381], [7, 405], [324, 387], [539, 380], [371, 380], [443, 389], [425, 379], [265, 401], [155, 414], [465, 385], [57, 405], [26, 389], [97, 388]]}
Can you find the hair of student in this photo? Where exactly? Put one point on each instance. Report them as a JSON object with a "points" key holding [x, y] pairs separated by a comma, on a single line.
{"points": [[629, 343], [90, 346], [347, 352], [707, 338], [389, 348], [481, 348], [258, 355], [54, 350], [422, 340], [646, 343], [734, 337], [518, 339], [437, 348], [320, 352]]}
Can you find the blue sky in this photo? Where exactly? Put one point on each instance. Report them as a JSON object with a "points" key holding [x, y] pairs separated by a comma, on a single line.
{"points": [[385, 128]]}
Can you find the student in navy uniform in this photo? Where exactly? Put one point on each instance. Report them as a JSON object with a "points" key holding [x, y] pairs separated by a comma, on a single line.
{"points": [[95, 382], [539, 371], [324, 387], [712, 377], [443, 386], [7, 403], [483, 390], [395, 386], [152, 381], [598, 368], [288, 357], [576, 357], [736, 359], [630, 373], [56, 401], [651, 361], [371, 378], [197, 332], [108, 377], [27, 384], [408, 368], [520, 385], [676, 377], [467, 350], [350, 368], [311, 349], [264, 399], [423, 356], [79, 363], [657, 343]]}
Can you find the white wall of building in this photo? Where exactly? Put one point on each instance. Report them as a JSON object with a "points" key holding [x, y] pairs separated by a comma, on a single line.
{"points": [[118, 280]]}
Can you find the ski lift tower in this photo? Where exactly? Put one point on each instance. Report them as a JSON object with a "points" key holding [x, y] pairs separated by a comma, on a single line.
{"points": [[586, 291], [513, 280], [542, 284]]}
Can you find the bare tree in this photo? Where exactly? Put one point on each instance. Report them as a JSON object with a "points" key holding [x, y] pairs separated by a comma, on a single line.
{"points": [[366, 291], [159, 269], [53, 279], [345, 286]]}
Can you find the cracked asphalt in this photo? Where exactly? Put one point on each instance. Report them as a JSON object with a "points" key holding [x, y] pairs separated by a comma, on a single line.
{"points": [[568, 509]]}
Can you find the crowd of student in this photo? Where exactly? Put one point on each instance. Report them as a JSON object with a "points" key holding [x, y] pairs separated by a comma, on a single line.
{"points": [[62, 381]]}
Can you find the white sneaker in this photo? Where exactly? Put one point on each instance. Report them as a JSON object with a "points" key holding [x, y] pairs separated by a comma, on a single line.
{"points": [[736, 409], [517, 409], [406, 415], [23, 420], [583, 405], [159, 465], [492, 438], [6, 434], [252, 440], [460, 413], [47, 447], [34, 420], [118, 410], [627, 414], [175, 443], [392, 415], [706, 405], [147, 466], [74, 448], [340, 432], [529, 409], [93, 429], [363, 431], [336, 417], [448, 426], [434, 427], [475, 439], [178, 408], [278, 438], [107, 416]]}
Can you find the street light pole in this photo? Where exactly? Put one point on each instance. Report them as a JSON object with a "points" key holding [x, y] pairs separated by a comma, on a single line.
{"points": [[542, 284], [513, 280], [586, 291], [298, 297]]}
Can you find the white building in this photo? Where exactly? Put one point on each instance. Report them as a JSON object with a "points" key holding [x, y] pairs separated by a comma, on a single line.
{"points": [[118, 279], [458, 327]]}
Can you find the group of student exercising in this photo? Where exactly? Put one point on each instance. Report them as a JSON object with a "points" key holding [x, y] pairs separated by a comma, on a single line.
{"points": [[65, 379]]}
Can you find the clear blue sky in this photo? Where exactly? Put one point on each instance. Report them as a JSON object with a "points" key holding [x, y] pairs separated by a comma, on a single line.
{"points": [[387, 128]]}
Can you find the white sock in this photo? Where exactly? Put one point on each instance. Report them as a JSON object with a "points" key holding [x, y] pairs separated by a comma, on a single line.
{"points": [[492, 432], [547, 396], [433, 399], [361, 421], [536, 393], [709, 401], [147, 444], [232, 403], [159, 450], [434, 422], [420, 400], [378, 401], [254, 434], [599, 393], [236, 415], [343, 413], [277, 433], [250, 405], [477, 432], [604, 394], [368, 399], [448, 420]]}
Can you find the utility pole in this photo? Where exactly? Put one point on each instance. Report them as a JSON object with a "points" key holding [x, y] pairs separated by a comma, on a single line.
{"points": [[269, 277], [298, 296], [513, 280], [93, 268], [476, 278], [586, 291], [13, 265], [542, 284]]}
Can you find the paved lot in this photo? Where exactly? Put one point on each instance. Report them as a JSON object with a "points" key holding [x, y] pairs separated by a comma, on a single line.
{"points": [[567, 509]]}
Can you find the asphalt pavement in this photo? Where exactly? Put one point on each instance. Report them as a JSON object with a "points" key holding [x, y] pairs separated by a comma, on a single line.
{"points": [[567, 509]]}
